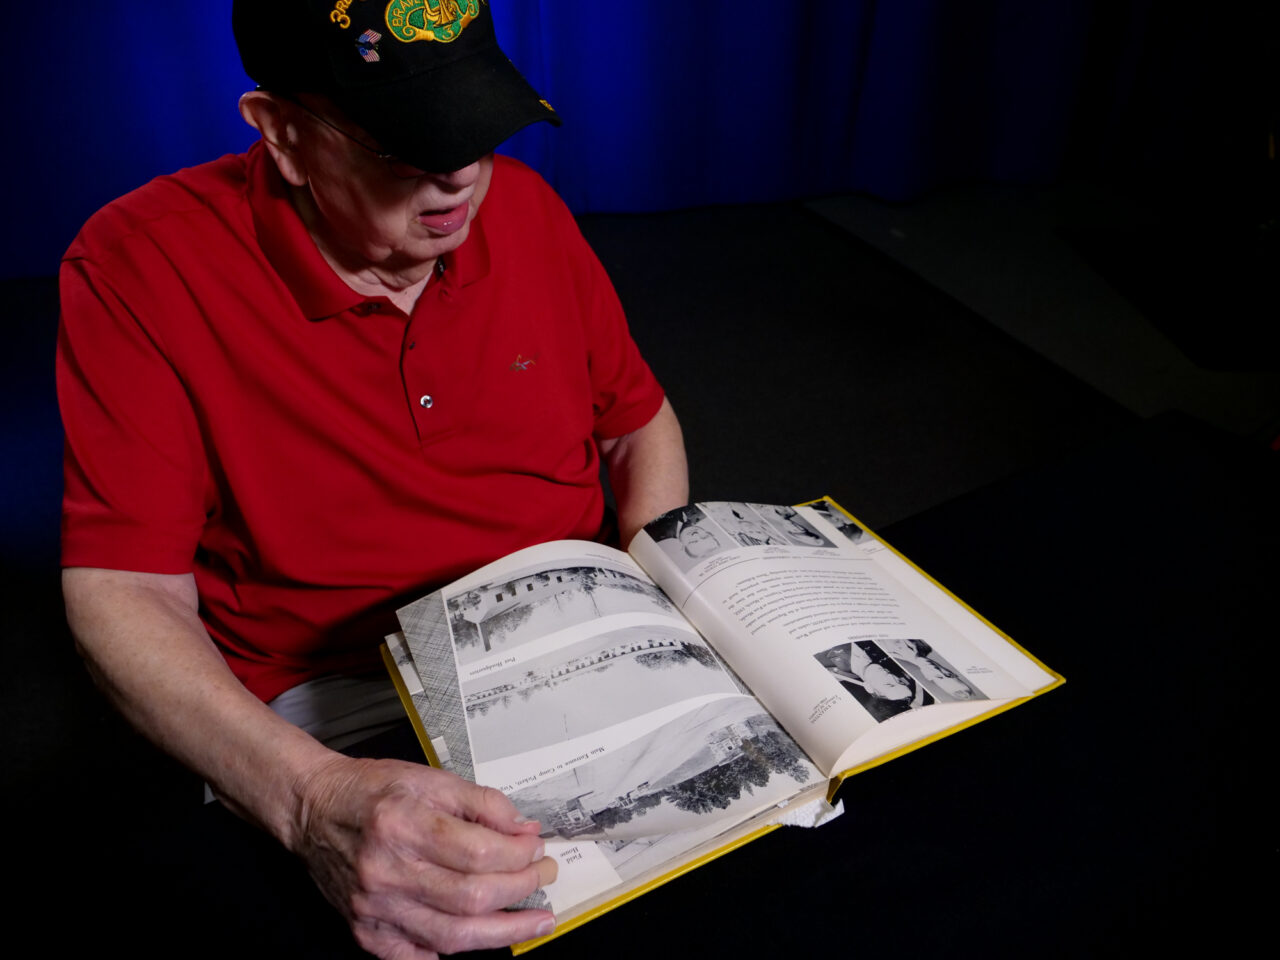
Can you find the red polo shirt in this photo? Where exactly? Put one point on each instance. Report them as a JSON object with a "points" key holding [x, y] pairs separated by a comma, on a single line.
{"points": [[314, 456]]}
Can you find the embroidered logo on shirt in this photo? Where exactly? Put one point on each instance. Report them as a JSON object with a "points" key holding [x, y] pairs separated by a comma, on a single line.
{"points": [[520, 363], [441, 20], [367, 44]]}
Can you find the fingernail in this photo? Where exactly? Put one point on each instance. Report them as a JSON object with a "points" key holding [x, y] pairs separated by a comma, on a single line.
{"points": [[546, 926], [540, 852], [522, 820]]}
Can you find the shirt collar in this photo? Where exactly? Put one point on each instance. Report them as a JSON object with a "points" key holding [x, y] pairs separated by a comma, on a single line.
{"points": [[284, 239], [470, 262], [318, 291]]}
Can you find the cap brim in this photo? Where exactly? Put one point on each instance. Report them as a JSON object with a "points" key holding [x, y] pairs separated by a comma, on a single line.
{"points": [[446, 119]]}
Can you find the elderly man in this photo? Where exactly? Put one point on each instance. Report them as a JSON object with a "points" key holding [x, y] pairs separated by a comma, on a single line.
{"points": [[306, 383]]}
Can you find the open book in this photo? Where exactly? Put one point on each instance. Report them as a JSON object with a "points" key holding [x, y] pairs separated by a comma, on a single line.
{"points": [[657, 708]]}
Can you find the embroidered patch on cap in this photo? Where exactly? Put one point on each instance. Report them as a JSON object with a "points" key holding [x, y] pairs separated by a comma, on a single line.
{"points": [[520, 363], [338, 14], [367, 44], [441, 20]]}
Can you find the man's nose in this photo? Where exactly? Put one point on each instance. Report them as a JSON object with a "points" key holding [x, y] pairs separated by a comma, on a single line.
{"points": [[458, 179]]}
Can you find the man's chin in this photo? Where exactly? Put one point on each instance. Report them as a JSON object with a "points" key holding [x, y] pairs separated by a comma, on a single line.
{"points": [[427, 249]]}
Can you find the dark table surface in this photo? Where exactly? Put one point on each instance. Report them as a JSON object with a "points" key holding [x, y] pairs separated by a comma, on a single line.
{"points": [[1128, 809]]}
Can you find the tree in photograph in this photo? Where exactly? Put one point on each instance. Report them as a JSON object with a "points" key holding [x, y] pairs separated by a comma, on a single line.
{"points": [[782, 755], [507, 622], [465, 633], [589, 579], [680, 656], [612, 816]]}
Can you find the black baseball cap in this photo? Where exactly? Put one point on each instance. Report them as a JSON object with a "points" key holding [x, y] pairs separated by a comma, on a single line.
{"points": [[426, 78]]}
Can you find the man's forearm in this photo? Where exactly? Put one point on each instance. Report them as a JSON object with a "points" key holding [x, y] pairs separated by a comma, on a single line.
{"points": [[648, 471], [414, 858], [147, 649]]}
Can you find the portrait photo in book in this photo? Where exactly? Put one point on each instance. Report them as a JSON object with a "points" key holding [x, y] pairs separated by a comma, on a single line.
{"points": [[921, 661], [836, 517], [744, 525], [874, 679], [791, 525], [688, 536]]}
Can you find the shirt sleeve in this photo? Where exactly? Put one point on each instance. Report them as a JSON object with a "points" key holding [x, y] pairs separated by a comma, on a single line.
{"points": [[625, 393], [134, 468]]}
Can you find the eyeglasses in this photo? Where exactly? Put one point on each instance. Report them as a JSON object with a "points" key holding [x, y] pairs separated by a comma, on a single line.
{"points": [[399, 168]]}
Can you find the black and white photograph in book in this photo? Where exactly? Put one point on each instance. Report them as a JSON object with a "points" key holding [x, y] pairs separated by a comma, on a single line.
{"points": [[852, 532], [516, 610], [588, 686], [688, 536], [727, 755], [744, 525], [794, 527], [874, 679], [939, 677]]}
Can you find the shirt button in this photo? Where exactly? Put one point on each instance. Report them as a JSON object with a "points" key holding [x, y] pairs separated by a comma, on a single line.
{"points": [[425, 401]]}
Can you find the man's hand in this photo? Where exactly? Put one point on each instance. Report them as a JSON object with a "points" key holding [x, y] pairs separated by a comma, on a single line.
{"points": [[419, 861]]}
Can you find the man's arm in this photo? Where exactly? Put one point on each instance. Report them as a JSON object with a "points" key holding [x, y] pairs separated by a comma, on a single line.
{"points": [[405, 852], [647, 471]]}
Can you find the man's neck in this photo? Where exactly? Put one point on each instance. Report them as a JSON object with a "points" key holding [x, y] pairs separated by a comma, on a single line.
{"points": [[402, 285], [400, 290]]}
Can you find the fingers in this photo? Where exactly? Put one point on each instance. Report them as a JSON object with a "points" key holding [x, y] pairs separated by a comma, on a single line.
{"points": [[420, 860], [495, 930], [475, 894], [492, 808], [418, 932], [548, 870], [451, 912], [472, 847]]}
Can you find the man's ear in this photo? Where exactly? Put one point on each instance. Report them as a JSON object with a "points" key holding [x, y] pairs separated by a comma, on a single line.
{"points": [[274, 119]]}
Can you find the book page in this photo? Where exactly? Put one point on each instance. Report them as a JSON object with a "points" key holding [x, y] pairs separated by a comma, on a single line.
{"points": [[977, 631], [838, 649], [564, 677]]}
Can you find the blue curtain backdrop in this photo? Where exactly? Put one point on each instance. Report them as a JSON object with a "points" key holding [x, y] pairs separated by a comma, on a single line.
{"points": [[665, 105]]}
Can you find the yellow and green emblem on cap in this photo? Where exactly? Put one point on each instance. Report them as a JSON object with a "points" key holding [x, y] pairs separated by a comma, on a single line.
{"points": [[440, 20]]}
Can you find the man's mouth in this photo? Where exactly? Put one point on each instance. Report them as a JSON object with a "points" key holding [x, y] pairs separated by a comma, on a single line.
{"points": [[445, 221]]}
